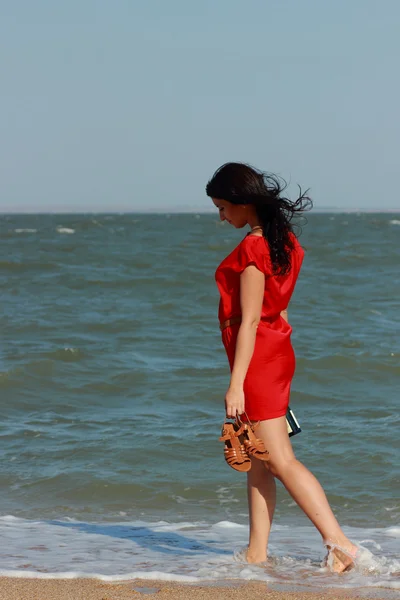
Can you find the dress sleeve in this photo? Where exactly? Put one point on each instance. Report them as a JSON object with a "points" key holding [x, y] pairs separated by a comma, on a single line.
{"points": [[254, 252]]}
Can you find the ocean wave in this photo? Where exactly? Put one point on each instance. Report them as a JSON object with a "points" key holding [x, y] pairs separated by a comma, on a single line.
{"points": [[61, 229], [189, 551]]}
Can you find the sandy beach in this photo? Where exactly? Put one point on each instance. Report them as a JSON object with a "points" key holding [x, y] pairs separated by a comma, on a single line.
{"points": [[91, 589]]}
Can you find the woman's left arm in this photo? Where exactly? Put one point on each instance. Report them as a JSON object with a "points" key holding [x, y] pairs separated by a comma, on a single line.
{"points": [[252, 284]]}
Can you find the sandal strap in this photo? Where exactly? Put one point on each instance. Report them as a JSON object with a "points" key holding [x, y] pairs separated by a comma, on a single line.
{"points": [[249, 423], [253, 444]]}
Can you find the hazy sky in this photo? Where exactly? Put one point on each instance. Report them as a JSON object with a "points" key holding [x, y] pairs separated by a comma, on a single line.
{"points": [[125, 105]]}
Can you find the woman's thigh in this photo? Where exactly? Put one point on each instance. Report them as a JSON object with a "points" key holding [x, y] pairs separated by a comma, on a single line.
{"points": [[273, 433]]}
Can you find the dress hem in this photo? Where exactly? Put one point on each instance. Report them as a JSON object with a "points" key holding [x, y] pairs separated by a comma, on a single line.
{"points": [[274, 415]]}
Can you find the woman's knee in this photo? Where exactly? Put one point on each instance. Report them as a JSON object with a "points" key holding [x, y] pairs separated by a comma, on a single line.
{"points": [[279, 466]]}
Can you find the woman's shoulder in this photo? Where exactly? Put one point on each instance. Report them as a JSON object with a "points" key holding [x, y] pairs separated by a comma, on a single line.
{"points": [[255, 243], [252, 238], [253, 249], [258, 246], [261, 242]]}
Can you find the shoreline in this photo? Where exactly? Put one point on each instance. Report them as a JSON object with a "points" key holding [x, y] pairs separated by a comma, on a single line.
{"points": [[21, 588]]}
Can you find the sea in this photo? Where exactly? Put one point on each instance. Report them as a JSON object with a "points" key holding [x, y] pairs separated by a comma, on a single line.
{"points": [[112, 383]]}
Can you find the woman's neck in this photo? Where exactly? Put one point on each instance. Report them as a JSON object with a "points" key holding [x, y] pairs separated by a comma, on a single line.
{"points": [[256, 230]]}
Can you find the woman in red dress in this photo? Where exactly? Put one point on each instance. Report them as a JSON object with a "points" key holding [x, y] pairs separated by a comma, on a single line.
{"points": [[256, 281]]}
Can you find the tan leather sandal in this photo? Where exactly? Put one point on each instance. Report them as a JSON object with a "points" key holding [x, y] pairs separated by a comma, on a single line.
{"points": [[234, 451], [252, 444]]}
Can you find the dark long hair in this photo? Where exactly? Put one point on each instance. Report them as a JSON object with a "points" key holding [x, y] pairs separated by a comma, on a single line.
{"points": [[240, 183]]}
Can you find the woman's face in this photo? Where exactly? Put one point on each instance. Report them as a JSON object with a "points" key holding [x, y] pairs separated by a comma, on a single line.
{"points": [[235, 214]]}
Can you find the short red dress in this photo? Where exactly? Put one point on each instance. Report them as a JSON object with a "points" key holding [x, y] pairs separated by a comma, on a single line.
{"points": [[272, 366]]}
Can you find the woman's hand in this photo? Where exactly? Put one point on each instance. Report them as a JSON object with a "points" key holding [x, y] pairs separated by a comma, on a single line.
{"points": [[234, 402]]}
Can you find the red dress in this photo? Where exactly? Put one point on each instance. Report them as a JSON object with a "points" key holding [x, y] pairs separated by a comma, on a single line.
{"points": [[272, 366]]}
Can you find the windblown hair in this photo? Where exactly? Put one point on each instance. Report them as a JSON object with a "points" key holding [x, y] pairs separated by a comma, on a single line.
{"points": [[240, 183]]}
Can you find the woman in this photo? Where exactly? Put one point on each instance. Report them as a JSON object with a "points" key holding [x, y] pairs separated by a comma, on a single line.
{"points": [[256, 282]]}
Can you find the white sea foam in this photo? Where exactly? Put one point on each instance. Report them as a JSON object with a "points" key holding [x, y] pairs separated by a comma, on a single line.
{"points": [[25, 230], [229, 525], [186, 552], [148, 575], [394, 222], [61, 229], [393, 531]]}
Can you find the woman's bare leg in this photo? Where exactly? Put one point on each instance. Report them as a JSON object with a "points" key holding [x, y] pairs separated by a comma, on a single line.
{"points": [[300, 482], [261, 494]]}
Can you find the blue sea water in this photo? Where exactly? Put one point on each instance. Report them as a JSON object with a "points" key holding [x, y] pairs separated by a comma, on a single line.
{"points": [[112, 378]]}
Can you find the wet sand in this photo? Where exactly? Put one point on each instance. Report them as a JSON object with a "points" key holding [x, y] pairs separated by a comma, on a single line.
{"points": [[91, 589]]}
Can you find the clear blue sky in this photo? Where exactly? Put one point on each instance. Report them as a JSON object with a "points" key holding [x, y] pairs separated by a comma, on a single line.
{"points": [[130, 105]]}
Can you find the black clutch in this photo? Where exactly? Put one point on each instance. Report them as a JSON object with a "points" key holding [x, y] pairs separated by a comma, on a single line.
{"points": [[292, 423]]}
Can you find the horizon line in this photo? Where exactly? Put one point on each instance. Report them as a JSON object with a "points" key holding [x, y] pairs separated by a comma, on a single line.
{"points": [[159, 211]]}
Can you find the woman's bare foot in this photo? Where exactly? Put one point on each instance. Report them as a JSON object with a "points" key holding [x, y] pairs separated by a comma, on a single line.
{"points": [[340, 558], [249, 556]]}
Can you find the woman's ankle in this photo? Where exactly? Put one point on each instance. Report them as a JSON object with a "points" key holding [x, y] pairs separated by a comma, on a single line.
{"points": [[256, 555]]}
